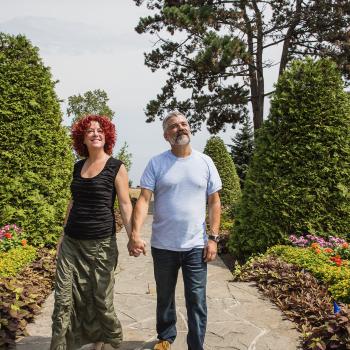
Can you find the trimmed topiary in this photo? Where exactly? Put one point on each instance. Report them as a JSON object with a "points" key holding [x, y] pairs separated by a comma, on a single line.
{"points": [[231, 191], [299, 178], [35, 156]]}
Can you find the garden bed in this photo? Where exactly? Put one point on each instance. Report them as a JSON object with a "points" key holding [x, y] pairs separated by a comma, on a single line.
{"points": [[310, 283], [22, 296]]}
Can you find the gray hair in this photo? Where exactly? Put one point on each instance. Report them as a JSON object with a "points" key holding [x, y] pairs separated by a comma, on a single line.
{"points": [[170, 115]]}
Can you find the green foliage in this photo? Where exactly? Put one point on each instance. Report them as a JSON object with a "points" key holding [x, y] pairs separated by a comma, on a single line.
{"points": [[16, 259], [226, 221], [216, 51], [301, 298], [231, 191], [337, 278], [22, 296], [125, 156], [299, 177], [91, 102], [242, 148], [36, 159]]}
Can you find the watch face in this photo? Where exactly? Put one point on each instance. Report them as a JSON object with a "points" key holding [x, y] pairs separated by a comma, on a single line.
{"points": [[215, 238]]}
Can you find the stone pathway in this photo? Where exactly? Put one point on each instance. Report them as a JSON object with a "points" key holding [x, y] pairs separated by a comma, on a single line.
{"points": [[238, 317]]}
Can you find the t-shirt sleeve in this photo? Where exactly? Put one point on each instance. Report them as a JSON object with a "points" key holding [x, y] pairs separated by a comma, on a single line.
{"points": [[214, 181], [148, 178]]}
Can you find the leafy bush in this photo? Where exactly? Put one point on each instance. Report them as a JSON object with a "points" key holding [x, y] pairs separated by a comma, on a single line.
{"points": [[299, 177], [318, 264], [231, 191], [16, 259], [21, 296], [36, 159], [302, 300]]}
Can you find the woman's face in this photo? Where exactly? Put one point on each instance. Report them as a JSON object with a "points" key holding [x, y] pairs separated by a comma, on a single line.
{"points": [[94, 136]]}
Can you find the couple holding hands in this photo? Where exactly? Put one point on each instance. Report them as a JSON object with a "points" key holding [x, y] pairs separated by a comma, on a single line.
{"points": [[183, 182]]}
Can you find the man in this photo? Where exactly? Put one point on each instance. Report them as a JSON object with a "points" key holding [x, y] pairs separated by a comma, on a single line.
{"points": [[182, 180]]}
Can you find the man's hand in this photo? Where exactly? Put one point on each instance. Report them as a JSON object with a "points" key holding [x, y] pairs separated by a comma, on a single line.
{"points": [[136, 246], [210, 251]]}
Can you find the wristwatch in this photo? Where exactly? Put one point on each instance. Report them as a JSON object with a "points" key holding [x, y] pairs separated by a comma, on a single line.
{"points": [[215, 238]]}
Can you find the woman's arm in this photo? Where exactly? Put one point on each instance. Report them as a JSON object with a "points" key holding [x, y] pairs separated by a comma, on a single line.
{"points": [[122, 188], [135, 246]]}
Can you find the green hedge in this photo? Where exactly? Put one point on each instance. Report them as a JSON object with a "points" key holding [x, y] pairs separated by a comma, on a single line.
{"points": [[299, 177], [16, 259], [36, 158], [231, 190], [336, 278]]}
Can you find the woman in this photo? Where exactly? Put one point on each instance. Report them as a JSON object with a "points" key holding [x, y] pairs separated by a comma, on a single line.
{"points": [[87, 251]]}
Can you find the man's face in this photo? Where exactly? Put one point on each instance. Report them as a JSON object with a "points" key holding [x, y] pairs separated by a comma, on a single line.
{"points": [[177, 131]]}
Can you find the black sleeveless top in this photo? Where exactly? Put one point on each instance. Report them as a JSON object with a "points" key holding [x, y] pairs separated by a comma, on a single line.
{"points": [[92, 213]]}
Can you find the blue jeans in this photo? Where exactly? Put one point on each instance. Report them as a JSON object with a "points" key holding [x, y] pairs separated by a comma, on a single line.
{"points": [[194, 270]]}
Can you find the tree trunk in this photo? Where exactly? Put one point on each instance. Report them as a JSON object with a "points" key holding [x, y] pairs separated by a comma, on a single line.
{"points": [[288, 37], [258, 120]]}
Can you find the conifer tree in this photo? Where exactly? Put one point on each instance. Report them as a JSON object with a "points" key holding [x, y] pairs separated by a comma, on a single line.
{"points": [[299, 178], [35, 156], [231, 191], [242, 148], [125, 156], [217, 52]]}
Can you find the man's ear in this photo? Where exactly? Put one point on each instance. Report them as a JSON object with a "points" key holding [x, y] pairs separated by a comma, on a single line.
{"points": [[165, 136]]}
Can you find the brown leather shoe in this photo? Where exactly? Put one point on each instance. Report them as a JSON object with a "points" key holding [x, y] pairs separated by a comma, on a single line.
{"points": [[162, 345]]}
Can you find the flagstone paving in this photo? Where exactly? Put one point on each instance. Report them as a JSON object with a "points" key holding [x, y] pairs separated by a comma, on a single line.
{"points": [[238, 316]]}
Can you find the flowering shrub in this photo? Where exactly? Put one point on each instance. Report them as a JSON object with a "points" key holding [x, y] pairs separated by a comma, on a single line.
{"points": [[11, 236], [337, 249]]}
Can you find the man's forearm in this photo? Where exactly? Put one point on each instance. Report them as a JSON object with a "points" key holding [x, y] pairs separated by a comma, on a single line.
{"points": [[139, 216], [214, 213]]}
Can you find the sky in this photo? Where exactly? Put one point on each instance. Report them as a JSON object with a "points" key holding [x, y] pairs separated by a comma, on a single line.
{"points": [[93, 45]]}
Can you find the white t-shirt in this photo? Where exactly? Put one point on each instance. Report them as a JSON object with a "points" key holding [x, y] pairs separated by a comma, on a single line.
{"points": [[181, 187]]}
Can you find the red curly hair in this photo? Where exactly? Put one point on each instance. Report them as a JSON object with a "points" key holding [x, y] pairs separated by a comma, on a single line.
{"points": [[80, 126]]}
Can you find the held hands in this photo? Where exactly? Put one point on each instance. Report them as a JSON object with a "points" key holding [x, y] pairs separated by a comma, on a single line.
{"points": [[136, 246], [210, 251]]}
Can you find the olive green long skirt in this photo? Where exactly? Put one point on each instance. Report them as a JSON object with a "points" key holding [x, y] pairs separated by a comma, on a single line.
{"points": [[83, 311]]}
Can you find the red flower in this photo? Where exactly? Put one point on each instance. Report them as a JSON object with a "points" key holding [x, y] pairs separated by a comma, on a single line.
{"points": [[345, 245], [24, 242], [8, 235], [337, 260]]}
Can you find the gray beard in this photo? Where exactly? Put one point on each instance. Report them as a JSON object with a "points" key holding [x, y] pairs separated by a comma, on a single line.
{"points": [[181, 140]]}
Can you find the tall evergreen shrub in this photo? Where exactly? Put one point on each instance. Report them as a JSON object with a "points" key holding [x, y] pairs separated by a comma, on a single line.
{"points": [[242, 148], [35, 156], [299, 178], [231, 191]]}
